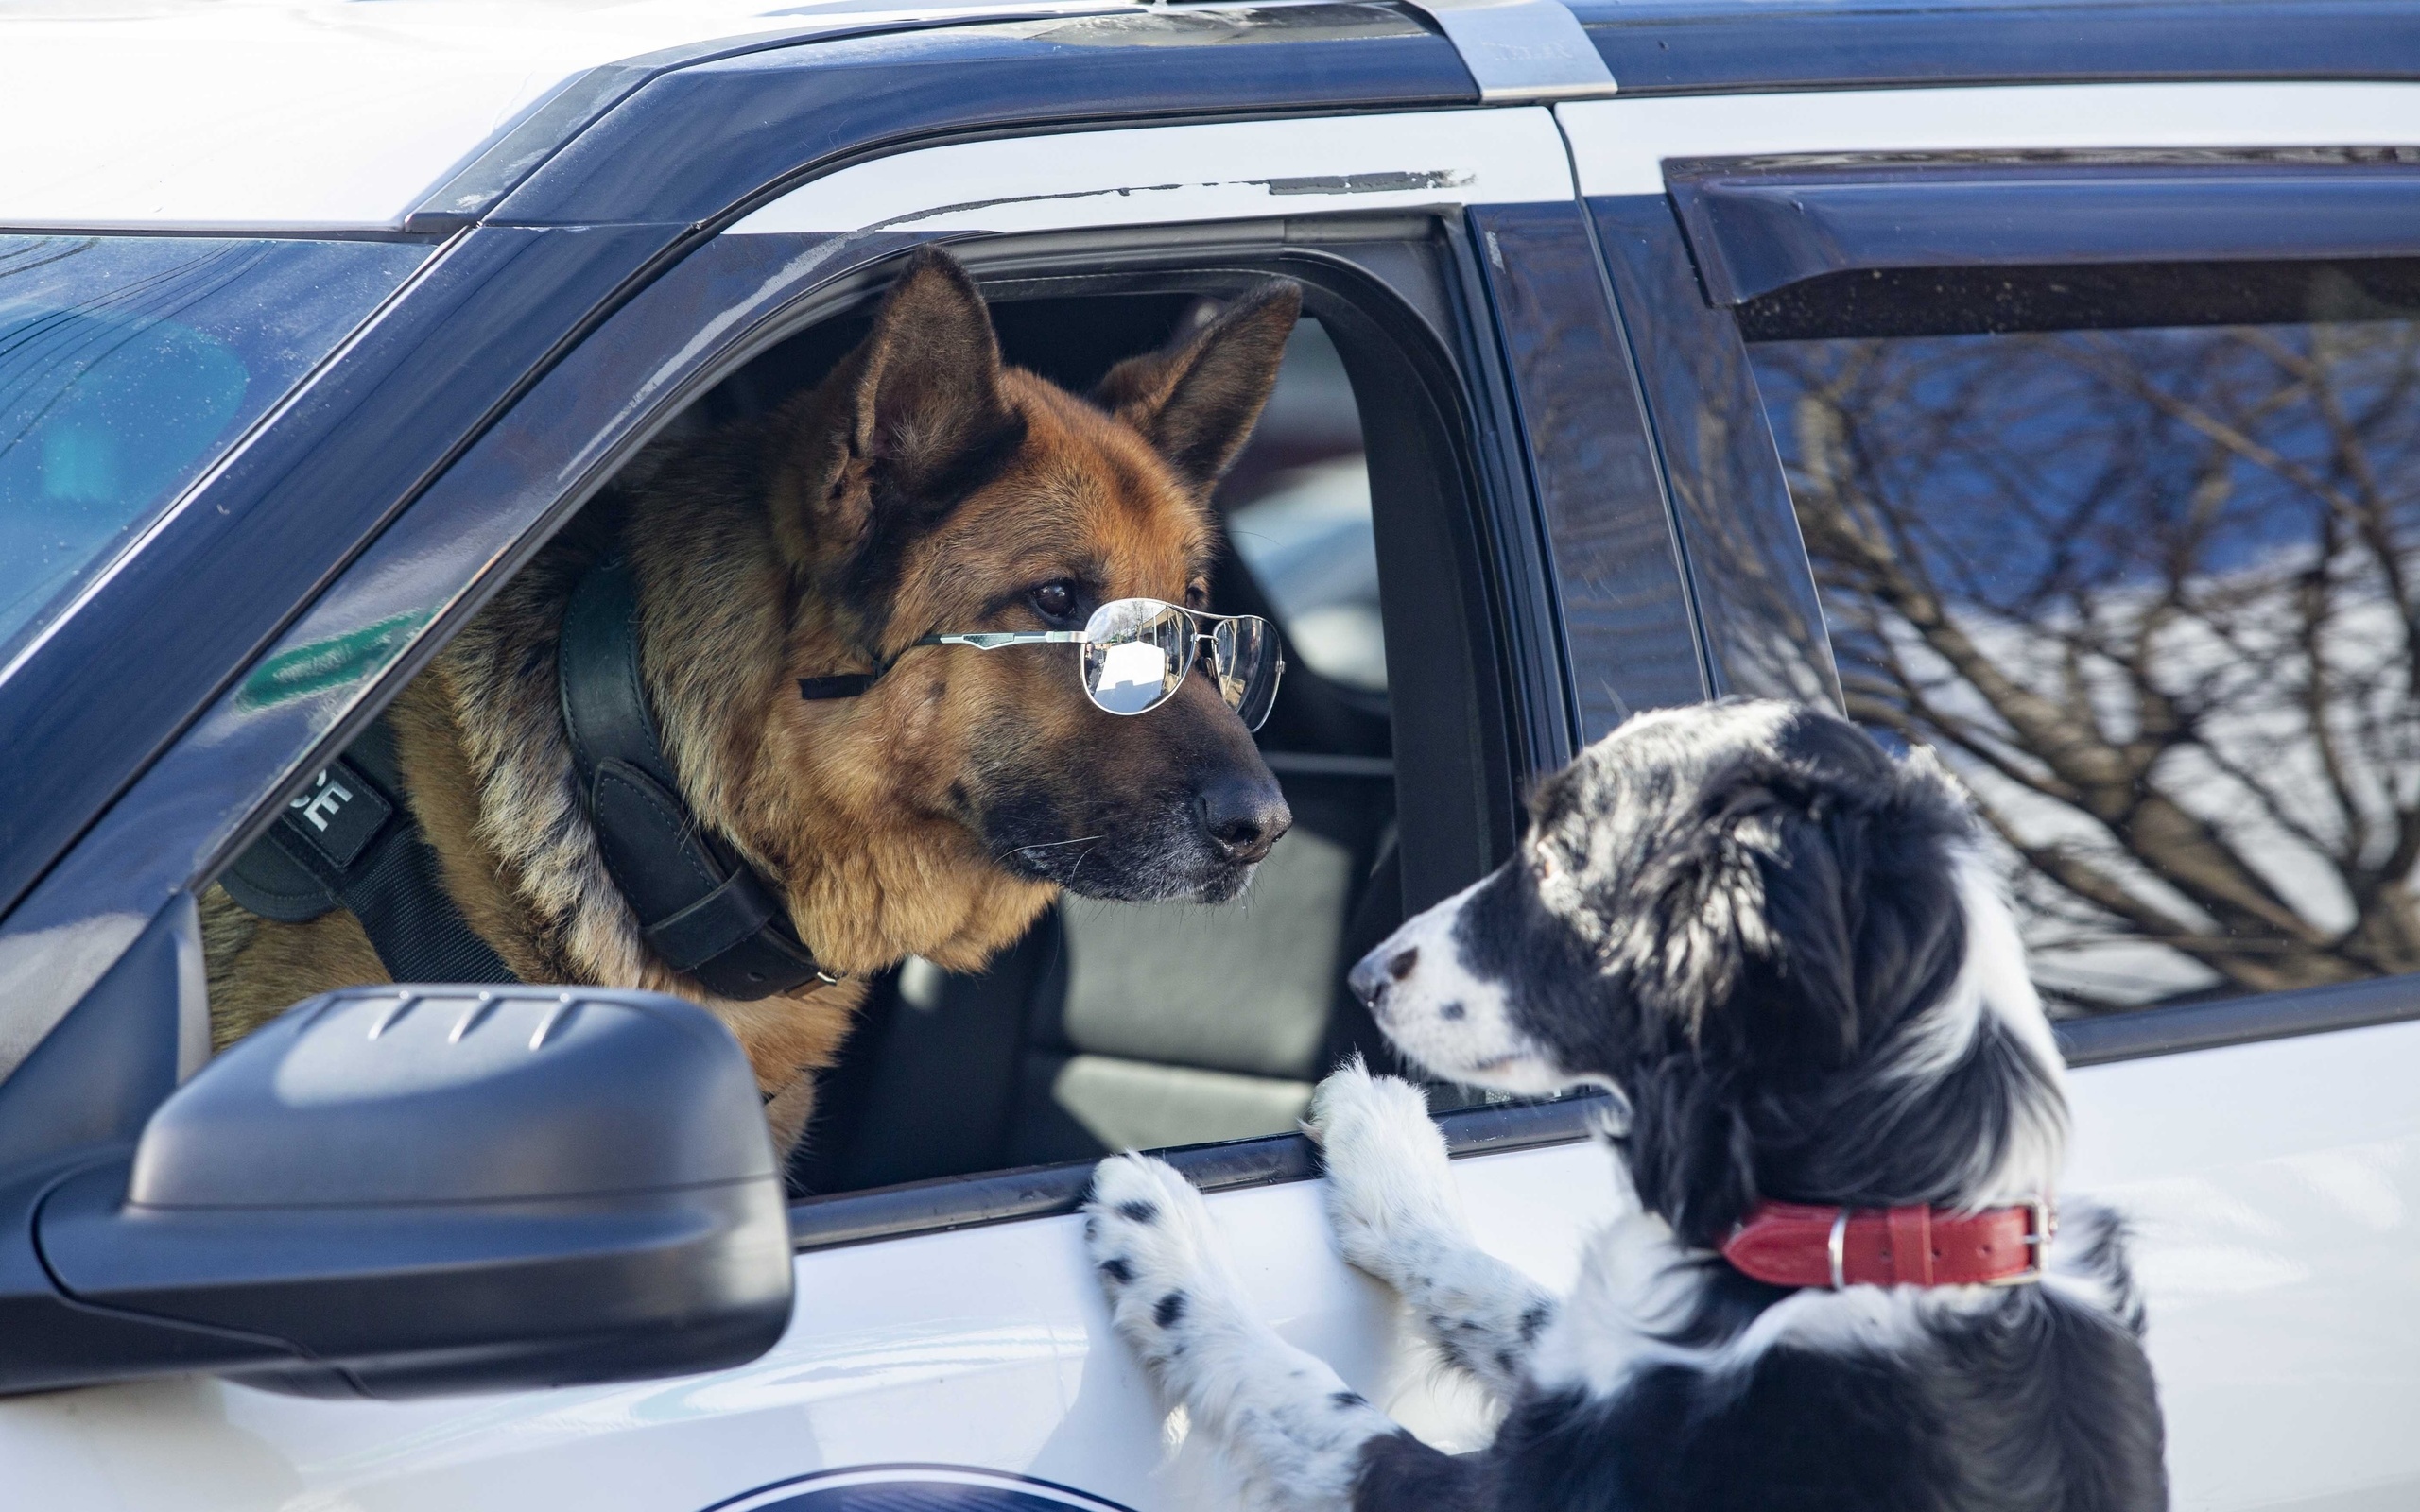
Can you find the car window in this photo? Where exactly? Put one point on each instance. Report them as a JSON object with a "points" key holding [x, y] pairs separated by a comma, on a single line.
{"points": [[1297, 512], [129, 363], [2139, 553]]}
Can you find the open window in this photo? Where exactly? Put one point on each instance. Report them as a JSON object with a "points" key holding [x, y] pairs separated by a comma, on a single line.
{"points": [[1354, 521]]}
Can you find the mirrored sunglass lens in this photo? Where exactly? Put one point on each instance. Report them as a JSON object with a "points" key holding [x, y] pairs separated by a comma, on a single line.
{"points": [[1245, 651], [1135, 653]]}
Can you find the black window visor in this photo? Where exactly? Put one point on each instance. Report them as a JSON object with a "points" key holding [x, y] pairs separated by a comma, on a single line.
{"points": [[1757, 226]]}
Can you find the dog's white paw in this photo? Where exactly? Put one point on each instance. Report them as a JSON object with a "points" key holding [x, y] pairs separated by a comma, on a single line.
{"points": [[1292, 1430], [1390, 1187], [1149, 1233]]}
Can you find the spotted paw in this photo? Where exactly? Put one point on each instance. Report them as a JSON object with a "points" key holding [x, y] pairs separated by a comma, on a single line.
{"points": [[1389, 1188], [1290, 1427], [1149, 1233]]}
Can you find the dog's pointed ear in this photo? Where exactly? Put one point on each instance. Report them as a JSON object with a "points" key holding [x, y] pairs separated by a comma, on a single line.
{"points": [[1196, 399], [916, 405]]}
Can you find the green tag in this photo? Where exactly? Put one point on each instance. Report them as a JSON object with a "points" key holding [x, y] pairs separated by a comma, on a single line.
{"points": [[320, 665]]}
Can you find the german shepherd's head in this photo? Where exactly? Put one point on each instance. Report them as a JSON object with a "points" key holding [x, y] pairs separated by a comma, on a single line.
{"points": [[925, 487]]}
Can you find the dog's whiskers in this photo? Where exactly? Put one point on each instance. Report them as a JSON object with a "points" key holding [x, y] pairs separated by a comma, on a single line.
{"points": [[1045, 844]]}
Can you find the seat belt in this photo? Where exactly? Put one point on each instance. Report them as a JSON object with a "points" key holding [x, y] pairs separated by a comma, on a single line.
{"points": [[350, 841]]}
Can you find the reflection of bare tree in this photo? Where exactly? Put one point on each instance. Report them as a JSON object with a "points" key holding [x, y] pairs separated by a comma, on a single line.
{"points": [[2152, 593]]}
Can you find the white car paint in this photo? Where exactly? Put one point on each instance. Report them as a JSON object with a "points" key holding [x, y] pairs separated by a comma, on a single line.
{"points": [[2274, 1189], [988, 1349], [1619, 145], [2276, 1242], [1155, 175], [323, 114]]}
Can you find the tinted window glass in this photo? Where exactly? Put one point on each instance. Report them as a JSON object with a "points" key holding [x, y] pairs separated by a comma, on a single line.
{"points": [[129, 363], [2153, 590]]}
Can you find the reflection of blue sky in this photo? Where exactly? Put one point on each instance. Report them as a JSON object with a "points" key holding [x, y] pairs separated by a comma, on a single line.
{"points": [[127, 366], [2041, 467]]}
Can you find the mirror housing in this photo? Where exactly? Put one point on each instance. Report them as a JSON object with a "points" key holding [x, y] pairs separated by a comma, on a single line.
{"points": [[400, 1190]]}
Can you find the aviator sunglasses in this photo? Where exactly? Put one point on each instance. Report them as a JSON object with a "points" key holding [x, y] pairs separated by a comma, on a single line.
{"points": [[1136, 654], [1138, 650]]}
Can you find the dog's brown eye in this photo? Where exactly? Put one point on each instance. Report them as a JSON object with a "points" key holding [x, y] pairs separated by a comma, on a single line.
{"points": [[1054, 601]]}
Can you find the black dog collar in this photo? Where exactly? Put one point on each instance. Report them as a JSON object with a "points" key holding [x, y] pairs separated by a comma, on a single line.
{"points": [[700, 907]]}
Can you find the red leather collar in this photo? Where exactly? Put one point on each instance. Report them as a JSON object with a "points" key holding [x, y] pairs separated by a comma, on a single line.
{"points": [[1797, 1244]]}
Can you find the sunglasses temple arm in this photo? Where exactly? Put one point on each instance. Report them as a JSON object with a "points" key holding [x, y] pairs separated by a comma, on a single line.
{"points": [[994, 639]]}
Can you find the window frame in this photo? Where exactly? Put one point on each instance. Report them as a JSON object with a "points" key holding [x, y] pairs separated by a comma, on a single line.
{"points": [[212, 794]]}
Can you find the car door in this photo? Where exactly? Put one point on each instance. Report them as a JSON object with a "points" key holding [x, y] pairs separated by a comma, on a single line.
{"points": [[2086, 406], [949, 1331]]}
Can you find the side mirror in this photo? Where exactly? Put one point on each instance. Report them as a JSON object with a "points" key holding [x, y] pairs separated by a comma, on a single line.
{"points": [[400, 1190]]}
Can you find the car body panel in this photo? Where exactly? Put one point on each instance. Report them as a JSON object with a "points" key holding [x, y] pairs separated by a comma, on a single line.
{"points": [[697, 142], [892, 1358], [1630, 632], [1229, 170], [2263, 1248], [2274, 1192]]}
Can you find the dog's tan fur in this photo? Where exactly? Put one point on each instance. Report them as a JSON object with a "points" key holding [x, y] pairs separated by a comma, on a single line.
{"points": [[763, 554]]}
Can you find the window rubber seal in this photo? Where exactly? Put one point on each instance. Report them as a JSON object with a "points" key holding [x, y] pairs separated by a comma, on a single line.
{"points": [[952, 1203]]}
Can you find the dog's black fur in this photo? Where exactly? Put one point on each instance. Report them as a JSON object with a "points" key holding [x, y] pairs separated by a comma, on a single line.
{"points": [[1771, 941]]}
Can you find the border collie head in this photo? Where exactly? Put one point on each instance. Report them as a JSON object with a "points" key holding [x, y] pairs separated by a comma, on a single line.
{"points": [[1774, 940]]}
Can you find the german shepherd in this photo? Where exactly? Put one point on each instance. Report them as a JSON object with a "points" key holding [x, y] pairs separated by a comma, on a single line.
{"points": [[923, 485]]}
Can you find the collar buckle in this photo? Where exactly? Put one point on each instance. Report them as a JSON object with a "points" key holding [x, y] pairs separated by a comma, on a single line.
{"points": [[2043, 1227]]}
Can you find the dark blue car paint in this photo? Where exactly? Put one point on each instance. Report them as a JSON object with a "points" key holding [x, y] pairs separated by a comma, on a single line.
{"points": [[93, 1084], [1762, 626], [1517, 564], [1707, 46], [475, 189], [702, 143], [1760, 225], [1629, 643]]}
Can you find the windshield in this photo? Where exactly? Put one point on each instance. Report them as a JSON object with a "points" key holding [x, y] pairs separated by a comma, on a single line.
{"points": [[130, 363]]}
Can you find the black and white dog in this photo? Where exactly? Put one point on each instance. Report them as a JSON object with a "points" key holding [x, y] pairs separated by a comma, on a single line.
{"points": [[1841, 1116]]}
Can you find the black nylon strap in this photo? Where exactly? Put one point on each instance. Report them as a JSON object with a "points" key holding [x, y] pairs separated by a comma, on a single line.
{"points": [[353, 833], [702, 908]]}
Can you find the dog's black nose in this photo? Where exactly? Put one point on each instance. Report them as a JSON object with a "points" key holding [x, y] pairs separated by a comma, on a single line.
{"points": [[1242, 815], [1370, 975]]}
